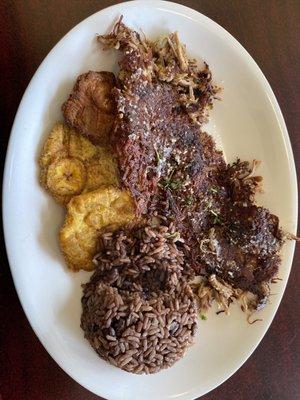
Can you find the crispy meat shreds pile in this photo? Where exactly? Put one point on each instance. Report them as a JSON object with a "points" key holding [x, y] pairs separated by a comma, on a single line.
{"points": [[164, 60], [138, 312], [175, 173]]}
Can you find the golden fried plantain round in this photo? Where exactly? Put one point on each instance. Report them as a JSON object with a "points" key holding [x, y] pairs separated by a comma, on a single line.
{"points": [[70, 164], [66, 177]]}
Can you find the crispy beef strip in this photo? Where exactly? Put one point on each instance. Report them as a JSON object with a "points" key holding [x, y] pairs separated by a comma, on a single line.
{"points": [[176, 174]]}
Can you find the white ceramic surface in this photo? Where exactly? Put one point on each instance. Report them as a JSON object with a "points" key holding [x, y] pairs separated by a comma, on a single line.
{"points": [[247, 123]]}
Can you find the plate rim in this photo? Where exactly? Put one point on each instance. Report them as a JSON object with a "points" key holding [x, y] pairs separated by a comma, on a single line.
{"points": [[195, 15]]}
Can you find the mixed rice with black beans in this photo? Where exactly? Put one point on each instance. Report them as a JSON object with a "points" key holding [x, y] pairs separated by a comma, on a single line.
{"points": [[138, 311]]}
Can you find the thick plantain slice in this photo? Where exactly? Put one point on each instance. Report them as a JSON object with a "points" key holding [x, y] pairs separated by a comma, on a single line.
{"points": [[70, 164], [87, 216], [66, 177], [81, 148], [57, 144], [102, 173]]}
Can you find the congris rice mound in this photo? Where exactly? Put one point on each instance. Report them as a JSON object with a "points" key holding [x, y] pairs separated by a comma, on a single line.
{"points": [[138, 311], [136, 334]]}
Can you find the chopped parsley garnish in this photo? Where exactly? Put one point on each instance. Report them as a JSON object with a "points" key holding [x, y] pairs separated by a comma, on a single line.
{"points": [[203, 317], [158, 158], [170, 183], [172, 235], [217, 217], [214, 213], [236, 163], [209, 204], [175, 184], [189, 200], [217, 221]]}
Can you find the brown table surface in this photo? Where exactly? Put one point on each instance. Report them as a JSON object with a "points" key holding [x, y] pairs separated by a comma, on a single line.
{"points": [[270, 31]]}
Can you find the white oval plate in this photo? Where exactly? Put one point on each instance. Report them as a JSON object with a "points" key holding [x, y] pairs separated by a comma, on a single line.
{"points": [[247, 123]]}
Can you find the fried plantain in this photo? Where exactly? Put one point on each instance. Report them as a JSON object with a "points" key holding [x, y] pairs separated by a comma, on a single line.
{"points": [[87, 216], [70, 164], [66, 176], [101, 173], [90, 108]]}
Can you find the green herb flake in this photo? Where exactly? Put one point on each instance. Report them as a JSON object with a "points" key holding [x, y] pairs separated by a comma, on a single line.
{"points": [[214, 213], [189, 200], [169, 184], [203, 317], [172, 235], [217, 217], [158, 158], [214, 189], [175, 185], [209, 204]]}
